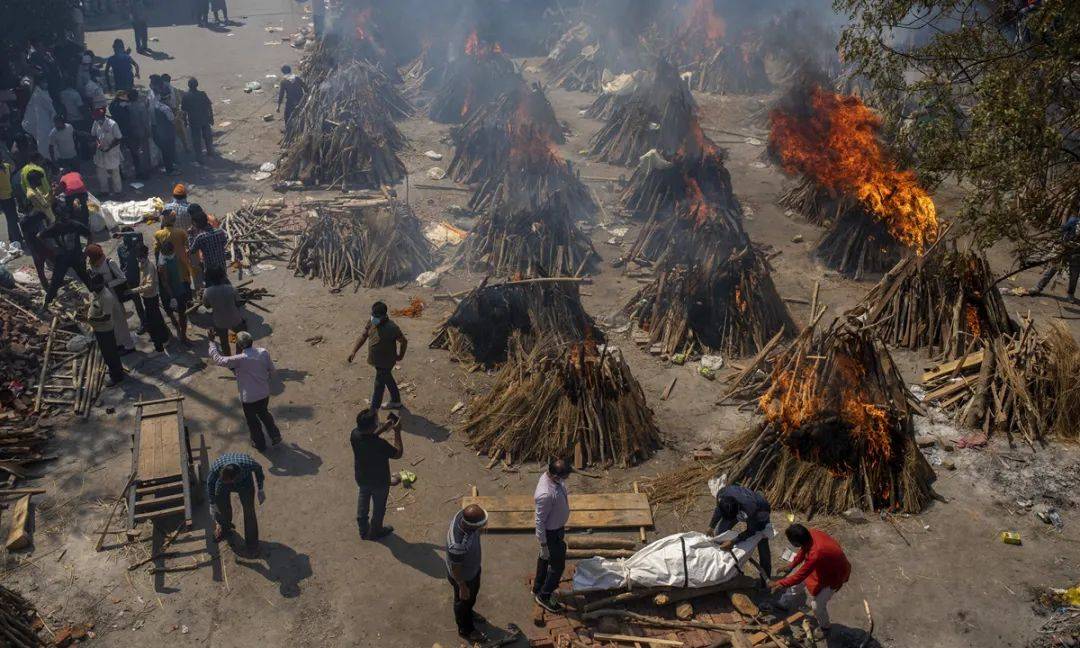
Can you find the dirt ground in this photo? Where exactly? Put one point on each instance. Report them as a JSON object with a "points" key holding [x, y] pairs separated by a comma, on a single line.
{"points": [[942, 578]]}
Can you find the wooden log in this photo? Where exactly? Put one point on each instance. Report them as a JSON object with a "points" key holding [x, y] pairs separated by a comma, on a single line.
{"points": [[678, 595], [759, 637], [652, 641], [583, 554], [21, 491], [642, 619], [599, 542], [622, 597], [19, 535]]}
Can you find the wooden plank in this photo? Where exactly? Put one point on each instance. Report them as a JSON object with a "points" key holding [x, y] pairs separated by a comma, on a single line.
{"points": [[160, 409], [652, 641], [19, 536], [585, 502], [170, 399], [159, 447], [775, 628], [967, 362], [950, 388], [172, 484], [142, 504], [161, 513], [613, 519]]}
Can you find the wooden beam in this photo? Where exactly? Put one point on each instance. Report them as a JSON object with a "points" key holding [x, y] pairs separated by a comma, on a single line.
{"points": [[18, 536], [600, 636]]}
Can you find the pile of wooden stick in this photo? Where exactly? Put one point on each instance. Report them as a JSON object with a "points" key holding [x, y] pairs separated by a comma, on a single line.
{"points": [[471, 81], [858, 244], [1023, 385], [23, 336], [730, 68], [483, 144], [254, 235], [363, 242], [69, 379], [837, 431], [945, 301], [17, 621], [656, 187], [343, 133], [577, 401], [424, 74], [727, 305], [579, 59], [660, 114], [815, 203], [479, 331]]}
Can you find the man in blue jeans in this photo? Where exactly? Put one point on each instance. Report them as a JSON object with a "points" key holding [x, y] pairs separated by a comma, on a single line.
{"points": [[371, 468], [387, 348], [235, 472], [552, 513]]}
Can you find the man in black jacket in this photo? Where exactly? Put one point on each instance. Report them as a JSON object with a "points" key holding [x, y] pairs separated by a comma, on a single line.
{"points": [[737, 503], [200, 119], [371, 468], [67, 234]]}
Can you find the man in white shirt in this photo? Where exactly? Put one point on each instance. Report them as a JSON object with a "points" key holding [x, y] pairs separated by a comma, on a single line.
{"points": [[115, 281], [107, 157], [62, 144]]}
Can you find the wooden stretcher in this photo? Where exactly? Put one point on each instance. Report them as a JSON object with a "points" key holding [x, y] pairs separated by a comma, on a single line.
{"points": [[164, 479]]}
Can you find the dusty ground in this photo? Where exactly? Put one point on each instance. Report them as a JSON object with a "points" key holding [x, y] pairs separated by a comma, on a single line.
{"points": [[942, 578]]}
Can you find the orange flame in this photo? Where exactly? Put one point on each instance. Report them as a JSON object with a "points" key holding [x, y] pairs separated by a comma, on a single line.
{"points": [[835, 143], [362, 18], [974, 324], [477, 48]]}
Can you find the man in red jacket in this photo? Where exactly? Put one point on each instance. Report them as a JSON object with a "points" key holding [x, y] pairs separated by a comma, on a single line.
{"points": [[824, 570]]}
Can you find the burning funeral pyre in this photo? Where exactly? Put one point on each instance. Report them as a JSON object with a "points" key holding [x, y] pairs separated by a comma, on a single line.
{"points": [[712, 291], [529, 213], [473, 79], [876, 211], [836, 434], [657, 115], [368, 242], [719, 62], [551, 399], [480, 329], [343, 132], [945, 301], [484, 142]]}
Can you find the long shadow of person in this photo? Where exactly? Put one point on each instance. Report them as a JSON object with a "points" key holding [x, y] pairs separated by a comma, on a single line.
{"points": [[279, 564], [421, 556], [418, 425], [842, 636], [290, 460]]}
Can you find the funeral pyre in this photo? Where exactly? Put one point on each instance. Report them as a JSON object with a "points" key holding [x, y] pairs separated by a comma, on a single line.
{"points": [[945, 301], [712, 290], [1023, 385], [363, 241], [659, 115], [484, 142], [876, 211], [718, 61], [477, 76], [343, 133], [551, 400], [587, 56], [481, 327], [836, 433], [529, 213]]}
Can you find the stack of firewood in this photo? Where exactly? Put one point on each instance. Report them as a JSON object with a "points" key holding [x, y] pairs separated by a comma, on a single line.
{"points": [[580, 59], [362, 242], [553, 400], [660, 114], [945, 300], [479, 331], [483, 144], [1023, 385], [815, 203], [23, 336], [18, 618], [424, 74], [254, 235], [343, 133]]}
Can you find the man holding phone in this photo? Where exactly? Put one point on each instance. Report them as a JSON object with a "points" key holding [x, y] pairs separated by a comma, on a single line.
{"points": [[371, 467]]}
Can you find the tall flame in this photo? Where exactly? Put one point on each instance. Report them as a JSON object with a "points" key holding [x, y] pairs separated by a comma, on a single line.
{"points": [[702, 20], [478, 48], [834, 141]]}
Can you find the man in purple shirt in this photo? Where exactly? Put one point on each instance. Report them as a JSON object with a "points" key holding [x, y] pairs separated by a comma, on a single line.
{"points": [[552, 512], [253, 369]]}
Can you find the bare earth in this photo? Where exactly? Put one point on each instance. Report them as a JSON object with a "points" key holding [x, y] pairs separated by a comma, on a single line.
{"points": [[940, 579]]}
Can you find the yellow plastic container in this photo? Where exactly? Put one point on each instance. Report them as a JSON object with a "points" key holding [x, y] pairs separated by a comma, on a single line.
{"points": [[1011, 537]]}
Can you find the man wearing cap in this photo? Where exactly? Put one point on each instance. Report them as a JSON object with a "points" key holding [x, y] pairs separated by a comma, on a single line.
{"points": [[179, 206], [254, 371], [116, 284], [463, 560], [76, 197], [107, 156], [552, 513]]}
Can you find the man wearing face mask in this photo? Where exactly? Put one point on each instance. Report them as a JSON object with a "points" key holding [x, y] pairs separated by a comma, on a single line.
{"points": [[386, 349], [552, 513], [463, 560]]}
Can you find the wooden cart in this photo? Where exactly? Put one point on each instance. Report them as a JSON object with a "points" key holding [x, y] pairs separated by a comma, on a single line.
{"points": [[164, 478]]}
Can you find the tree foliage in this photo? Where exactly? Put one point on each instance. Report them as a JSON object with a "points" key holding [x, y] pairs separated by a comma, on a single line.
{"points": [[983, 93]]}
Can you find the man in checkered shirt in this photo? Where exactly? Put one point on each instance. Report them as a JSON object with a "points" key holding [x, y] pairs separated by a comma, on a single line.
{"points": [[208, 240], [235, 472]]}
